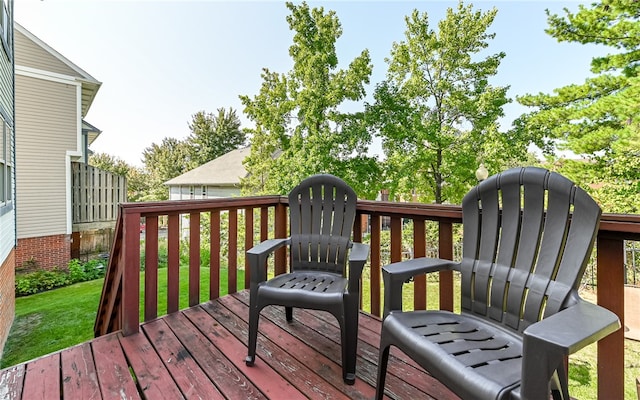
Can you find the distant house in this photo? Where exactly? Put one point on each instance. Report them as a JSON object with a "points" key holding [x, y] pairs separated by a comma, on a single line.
{"points": [[7, 172], [53, 95], [217, 178]]}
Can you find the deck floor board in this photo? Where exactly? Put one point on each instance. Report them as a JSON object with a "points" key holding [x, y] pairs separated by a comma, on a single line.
{"points": [[198, 353]]}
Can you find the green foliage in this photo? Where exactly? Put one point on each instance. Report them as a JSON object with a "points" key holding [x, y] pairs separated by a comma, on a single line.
{"points": [[437, 112], [600, 118], [300, 129], [42, 280], [163, 162], [213, 135]]}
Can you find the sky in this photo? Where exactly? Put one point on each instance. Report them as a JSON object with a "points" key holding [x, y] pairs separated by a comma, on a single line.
{"points": [[160, 62]]}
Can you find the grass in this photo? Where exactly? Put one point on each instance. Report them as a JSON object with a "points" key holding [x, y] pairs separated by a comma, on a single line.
{"points": [[53, 320]]}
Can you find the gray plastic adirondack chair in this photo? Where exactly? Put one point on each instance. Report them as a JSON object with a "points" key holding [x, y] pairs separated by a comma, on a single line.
{"points": [[322, 276], [528, 234]]}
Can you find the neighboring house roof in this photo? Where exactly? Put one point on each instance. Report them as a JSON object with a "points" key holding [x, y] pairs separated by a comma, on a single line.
{"points": [[92, 131], [90, 85], [226, 170]]}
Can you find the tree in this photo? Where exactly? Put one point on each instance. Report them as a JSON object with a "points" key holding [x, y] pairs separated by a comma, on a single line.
{"points": [[163, 162], [436, 111], [600, 118], [213, 135], [137, 178], [300, 129]]}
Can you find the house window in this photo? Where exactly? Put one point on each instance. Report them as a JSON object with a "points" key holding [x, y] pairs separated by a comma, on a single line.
{"points": [[6, 163], [204, 192], [6, 33], [192, 192]]}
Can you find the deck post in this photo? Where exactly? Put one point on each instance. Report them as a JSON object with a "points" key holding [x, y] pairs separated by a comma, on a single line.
{"points": [[131, 274], [610, 278]]}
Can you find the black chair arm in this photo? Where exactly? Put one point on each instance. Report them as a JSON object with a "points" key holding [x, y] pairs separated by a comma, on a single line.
{"points": [[258, 254], [547, 342], [357, 258], [396, 274]]}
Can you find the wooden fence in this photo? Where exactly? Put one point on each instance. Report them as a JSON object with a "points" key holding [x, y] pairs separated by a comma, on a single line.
{"points": [[95, 194]]}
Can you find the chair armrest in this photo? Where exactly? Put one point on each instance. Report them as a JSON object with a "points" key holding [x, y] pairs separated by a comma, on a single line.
{"points": [[357, 258], [547, 342], [396, 274], [258, 254]]}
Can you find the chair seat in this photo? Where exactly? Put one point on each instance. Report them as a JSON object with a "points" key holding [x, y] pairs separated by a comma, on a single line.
{"points": [[304, 289], [459, 350]]}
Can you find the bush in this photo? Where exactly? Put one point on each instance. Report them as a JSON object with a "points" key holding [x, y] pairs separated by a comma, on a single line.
{"points": [[42, 280]]}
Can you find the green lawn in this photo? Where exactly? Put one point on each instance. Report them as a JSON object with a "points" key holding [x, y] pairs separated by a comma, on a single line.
{"points": [[50, 321]]}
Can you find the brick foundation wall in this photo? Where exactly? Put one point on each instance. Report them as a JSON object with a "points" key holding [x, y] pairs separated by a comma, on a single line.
{"points": [[7, 298], [43, 252]]}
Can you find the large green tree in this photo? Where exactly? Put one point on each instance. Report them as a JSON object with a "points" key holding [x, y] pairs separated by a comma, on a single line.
{"points": [[137, 178], [300, 128], [165, 161], [437, 111], [213, 135], [598, 119]]}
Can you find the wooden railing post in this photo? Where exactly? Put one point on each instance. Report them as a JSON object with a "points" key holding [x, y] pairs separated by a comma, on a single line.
{"points": [[610, 277], [214, 254], [131, 275], [445, 251], [173, 263], [281, 232], [151, 268]]}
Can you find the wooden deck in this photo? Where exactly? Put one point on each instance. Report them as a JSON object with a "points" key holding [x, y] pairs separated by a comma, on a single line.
{"points": [[198, 353]]}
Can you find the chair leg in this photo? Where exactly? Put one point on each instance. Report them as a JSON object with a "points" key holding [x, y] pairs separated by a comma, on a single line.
{"points": [[288, 311], [349, 343], [254, 315], [382, 370]]}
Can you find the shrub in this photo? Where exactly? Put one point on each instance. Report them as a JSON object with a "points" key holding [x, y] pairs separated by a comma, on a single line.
{"points": [[42, 280]]}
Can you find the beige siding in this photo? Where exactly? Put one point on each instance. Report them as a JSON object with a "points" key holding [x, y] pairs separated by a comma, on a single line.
{"points": [[47, 128], [29, 54]]}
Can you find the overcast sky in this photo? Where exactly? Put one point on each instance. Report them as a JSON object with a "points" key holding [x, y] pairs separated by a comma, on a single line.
{"points": [[162, 61]]}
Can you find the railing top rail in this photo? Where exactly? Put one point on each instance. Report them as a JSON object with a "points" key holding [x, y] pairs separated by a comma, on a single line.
{"points": [[626, 226]]}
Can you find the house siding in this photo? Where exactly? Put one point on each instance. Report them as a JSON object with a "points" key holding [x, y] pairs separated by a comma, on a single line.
{"points": [[29, 54], [183, 192], [47, 130]]}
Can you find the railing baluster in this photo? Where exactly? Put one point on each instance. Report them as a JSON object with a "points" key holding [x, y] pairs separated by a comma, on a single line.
{"points": [[214, 254], [419, 250], [445, 251], [194, 259], [232, 259], [280, 232], [248, 242], [396, 239], [173, 263], [375, 266], [151, 268]]}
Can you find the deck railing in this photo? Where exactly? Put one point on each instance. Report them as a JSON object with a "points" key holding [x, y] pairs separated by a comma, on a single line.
{"points": [[266, 216]]}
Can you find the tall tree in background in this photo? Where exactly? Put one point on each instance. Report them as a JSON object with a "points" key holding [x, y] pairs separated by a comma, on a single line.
{"points": [[437, 112], [600, 118], [163, 162], [137, 178], [213, 135], [299, 128]]}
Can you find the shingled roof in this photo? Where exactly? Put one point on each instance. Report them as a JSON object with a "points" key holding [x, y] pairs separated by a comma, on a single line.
{"points": [[225, 170]]}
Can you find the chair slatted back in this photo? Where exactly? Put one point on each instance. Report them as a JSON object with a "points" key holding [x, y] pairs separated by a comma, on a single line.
{"points": [[528, 235], [322, 212]]}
